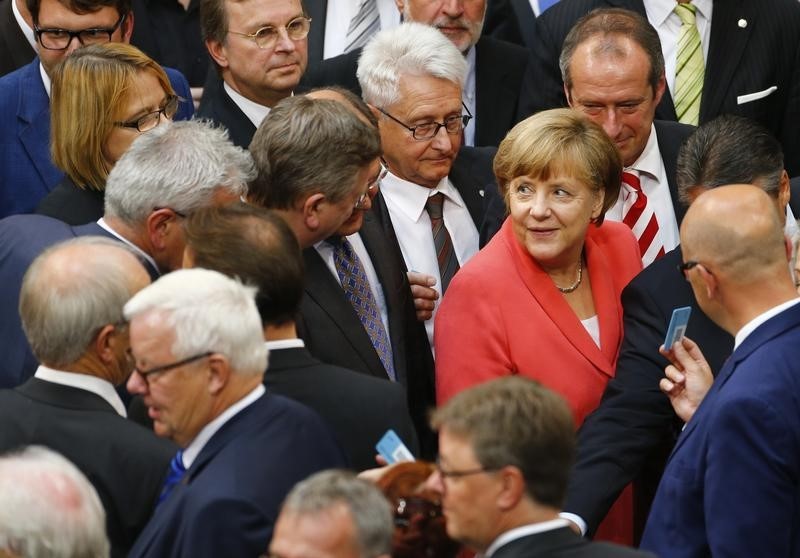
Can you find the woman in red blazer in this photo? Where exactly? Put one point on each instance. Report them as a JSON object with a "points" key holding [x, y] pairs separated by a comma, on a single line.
{"points": [[542, 299]]}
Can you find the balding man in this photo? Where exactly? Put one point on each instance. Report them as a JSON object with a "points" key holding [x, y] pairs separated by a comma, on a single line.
{"points": [[730, 487], [199, 354], [165, 175], [71, 308]]}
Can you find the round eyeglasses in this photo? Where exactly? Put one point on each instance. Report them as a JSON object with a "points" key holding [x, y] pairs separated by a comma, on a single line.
{"points": [[267, 36], [151, 119]]}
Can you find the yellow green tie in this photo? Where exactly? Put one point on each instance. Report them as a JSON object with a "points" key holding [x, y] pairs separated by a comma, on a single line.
{"points": [[690, 67]]}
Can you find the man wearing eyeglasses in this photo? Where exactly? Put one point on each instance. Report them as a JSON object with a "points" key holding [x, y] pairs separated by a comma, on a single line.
{"points": [[505, 449], [431, 202], [260, 49], [198, 359], [71, 404], [27, 172]]}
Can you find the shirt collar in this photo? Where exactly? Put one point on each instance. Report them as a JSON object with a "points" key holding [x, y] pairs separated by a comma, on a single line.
{"points": [[98, 386], [411, 198], [196, 446], [649, 162], [45, 79], [252, 110], [105, 226], [23, 25], [284, 344], [524, 531], [658, 11], [753, 324]]}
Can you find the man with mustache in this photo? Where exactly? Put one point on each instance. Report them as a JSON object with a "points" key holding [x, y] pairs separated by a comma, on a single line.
{"points": [[260, 49]]}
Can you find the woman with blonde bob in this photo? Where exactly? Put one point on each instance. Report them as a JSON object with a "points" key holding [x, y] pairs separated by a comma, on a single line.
{"points": [[542, 299], [102, 98]]}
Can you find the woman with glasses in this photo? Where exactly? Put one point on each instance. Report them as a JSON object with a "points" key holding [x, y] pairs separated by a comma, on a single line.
{"points": [[103, 97], [542, 299]]}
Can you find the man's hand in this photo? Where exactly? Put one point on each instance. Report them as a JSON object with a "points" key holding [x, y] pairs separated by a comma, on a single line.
{"points": [[688, 378], [425, 297]]}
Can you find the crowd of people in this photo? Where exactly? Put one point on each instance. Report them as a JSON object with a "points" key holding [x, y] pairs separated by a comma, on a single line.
{"points": [[242, 240]]}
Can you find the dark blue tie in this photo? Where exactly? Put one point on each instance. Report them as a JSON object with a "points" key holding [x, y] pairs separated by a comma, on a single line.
{"points": [[174, 476]]}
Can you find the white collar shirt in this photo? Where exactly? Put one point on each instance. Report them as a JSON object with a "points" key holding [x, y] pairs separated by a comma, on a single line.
{"points": [[141, 253], [661, 15], [524, 531], [254, 112], [412, 225], [284, 344], [753, 324], [45, 79], [196, 446], [98, 386]]}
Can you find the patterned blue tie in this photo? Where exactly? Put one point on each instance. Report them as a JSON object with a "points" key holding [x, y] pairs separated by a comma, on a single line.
{"points": [[357, 290], [174, 476]]}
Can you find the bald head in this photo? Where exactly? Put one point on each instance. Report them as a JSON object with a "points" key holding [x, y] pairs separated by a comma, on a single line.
{"points": [[736, 232]]}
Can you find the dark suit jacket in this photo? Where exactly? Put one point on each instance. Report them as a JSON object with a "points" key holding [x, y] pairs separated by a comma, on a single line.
{"points": [[735, 468], [229, 499], [359, 409], [670, 137], [499, 84], [22, 238], [563, 543], [635, 422], [510, 20], [125, 463], [27, 173], [16, 49], [741, 60], [71, 204], [317, 10], [216, 105]]}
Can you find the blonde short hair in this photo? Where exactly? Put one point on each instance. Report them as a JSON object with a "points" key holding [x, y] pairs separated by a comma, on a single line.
{"points": [[560, 140], [90, 87]]}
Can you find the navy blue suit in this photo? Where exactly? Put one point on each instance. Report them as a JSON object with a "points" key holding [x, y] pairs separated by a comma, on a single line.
{"points": [[27, 173], [731, 485], [22, 238], [229, 499]]}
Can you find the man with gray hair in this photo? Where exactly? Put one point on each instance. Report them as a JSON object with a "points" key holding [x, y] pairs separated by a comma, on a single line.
{"points": [[48, 508], [412, 76], [199, 354], [71, 307], [334, 514], [167, 173]]}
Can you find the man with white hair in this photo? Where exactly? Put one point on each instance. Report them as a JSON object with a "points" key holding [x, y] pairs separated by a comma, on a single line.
{"points": [[48, 508], [165, 175], [495, 76], [336, 515], [199, 354], [71, 307], [412, 78]]}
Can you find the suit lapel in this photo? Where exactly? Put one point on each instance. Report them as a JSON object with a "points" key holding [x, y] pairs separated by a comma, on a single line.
{"points": [[33, 115], [495, 102], [727, 45], [552, 302], [462, 179], [669, 146], [317, 11], [93, 229]]}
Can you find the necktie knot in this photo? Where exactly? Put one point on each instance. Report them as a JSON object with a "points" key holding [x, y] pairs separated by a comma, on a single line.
{"points": [[174, 476], [435, 205], [631, 180], [686, 12]]}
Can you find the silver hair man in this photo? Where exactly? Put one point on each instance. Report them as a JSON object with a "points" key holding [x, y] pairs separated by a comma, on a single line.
{"points": [[48, 508], [334, 510]]}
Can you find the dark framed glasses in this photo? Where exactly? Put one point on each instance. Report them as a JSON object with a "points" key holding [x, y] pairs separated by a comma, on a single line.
{"points": [[53, 38]]}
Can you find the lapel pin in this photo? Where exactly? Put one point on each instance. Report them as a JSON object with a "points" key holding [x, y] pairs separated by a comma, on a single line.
{"points": [[742, 23]]}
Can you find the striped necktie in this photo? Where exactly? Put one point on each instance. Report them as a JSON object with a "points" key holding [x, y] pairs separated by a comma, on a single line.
{"points": [[366, 23], [690, 68], [445, 254], [174, 475], [359, 293], [640, 217]]}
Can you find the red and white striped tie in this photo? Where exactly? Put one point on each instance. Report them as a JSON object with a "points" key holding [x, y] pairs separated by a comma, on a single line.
{"points": [[640, 217]]}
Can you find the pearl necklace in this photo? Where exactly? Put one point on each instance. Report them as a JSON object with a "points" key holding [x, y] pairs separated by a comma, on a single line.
{"points": [[576, 284]]}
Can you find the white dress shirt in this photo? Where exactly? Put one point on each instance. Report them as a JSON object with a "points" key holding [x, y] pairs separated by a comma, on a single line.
{"points": [[653, 179], [325, 251], [524, 531], [412, 225], [98, 386], [45, 79], [469, 98], [252, 110], [196, 446], [753, 324], [141, 253], [338, 17], [668, 25], [278, 344]]}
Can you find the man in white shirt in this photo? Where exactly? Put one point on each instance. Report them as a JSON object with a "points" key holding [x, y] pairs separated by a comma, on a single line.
{"points": [[199, 361], [260, 49], [71, 306], [505, 449], [412, 77]]}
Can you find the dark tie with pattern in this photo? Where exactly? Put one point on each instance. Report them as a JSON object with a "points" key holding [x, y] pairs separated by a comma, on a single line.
{"points": [[174, 476], [445, 254], [357, 290]]}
